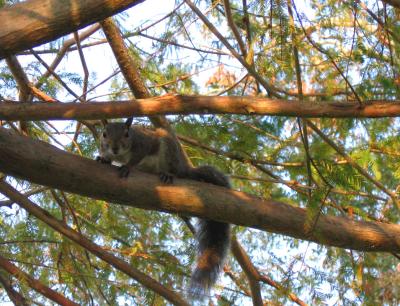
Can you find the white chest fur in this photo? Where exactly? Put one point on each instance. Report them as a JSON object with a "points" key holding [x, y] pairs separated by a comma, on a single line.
{"points": [[122, 159]]}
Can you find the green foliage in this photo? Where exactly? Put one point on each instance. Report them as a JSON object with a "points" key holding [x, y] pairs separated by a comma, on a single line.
{"points": [[248, 148]]}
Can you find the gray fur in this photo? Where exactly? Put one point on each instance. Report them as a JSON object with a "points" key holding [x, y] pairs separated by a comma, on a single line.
{"points": [[158, 152]]}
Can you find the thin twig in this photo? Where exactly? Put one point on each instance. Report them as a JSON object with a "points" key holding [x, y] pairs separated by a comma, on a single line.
{"points": [[269, 87], [323, 51], [55, 75], [84, 66], [353, 163]]}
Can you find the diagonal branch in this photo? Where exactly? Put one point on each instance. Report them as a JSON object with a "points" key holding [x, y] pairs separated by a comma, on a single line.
{"points": [[87, 244], [34, 284], [351, 162], [248, 268], [64, 49], [379, 21], [56, 76], [13, 294], [255, 276], [272, 90], [26, 88], [23, 84], [128, 67], [44, 164], [234, 28]]}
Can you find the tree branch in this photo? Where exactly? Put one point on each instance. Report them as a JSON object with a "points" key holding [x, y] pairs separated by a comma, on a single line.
{"points": [[234, 29], [44, 164], [249, 269], [31, 23], [255, 276], [270, 87], [35, 284], [395, 3], [179, 104], [17, 298], [67, 44], [87, 244], [360, 170], [128, 66]]}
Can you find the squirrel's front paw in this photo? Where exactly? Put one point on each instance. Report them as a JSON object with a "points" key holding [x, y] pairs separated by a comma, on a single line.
{"points": [[166, 178], [124, 171], [102, 160]]}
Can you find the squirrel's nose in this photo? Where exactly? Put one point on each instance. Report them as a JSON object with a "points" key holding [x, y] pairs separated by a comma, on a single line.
{"points": [[115, 150]]}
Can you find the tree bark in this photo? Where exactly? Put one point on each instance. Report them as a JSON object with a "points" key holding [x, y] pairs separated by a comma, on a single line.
{"points": [[44, 164], [34, 22], [129, 68], [178, 104], [395, 3]]}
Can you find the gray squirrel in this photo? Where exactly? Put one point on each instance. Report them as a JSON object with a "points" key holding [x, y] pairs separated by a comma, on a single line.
{"points": [[158, 152]]}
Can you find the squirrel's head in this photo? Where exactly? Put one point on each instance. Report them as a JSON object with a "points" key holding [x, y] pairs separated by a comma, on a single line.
{"points": [[116, 140]]}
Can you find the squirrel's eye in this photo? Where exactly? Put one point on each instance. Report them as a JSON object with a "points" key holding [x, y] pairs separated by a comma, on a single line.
{"points": [[104, 134]]}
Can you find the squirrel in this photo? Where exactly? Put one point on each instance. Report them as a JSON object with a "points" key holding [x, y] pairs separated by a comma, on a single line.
{"points": [[158, 152]]}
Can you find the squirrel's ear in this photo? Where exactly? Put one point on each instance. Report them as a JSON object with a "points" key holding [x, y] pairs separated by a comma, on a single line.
{"points": [[104, 122], [128, 122]]}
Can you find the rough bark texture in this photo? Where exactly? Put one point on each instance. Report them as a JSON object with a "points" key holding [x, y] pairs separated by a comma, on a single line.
{"points": [[129, 68], [125, 61], [44, 164], [177, 104], [34, 22]]}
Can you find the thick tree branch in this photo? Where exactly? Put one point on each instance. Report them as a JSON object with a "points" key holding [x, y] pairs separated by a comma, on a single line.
{"points": [[177, 104], [395, 3], [44, 164], [128, 66], [34, 22]]}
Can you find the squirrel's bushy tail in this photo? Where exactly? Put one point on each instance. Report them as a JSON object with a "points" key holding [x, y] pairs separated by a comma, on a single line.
{"points": [[213, 245], [213, 239]]}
